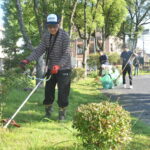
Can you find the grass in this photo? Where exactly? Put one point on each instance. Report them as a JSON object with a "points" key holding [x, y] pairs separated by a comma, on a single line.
{"points": [[142, 72], [38, 134]]}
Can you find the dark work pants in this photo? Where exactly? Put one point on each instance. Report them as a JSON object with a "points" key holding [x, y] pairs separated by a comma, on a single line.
{"points": [[63, 80], [128, 70]]}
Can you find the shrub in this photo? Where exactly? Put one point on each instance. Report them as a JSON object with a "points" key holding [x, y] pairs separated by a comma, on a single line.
{"points": [[103, 125], [2, 91], [77, 73], [14, 60], [114, 58], [93, 74], [13, 79], [93, 61]]}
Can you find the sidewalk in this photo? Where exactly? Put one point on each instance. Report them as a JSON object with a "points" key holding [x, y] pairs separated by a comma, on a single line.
{"points": [[136, 100]]}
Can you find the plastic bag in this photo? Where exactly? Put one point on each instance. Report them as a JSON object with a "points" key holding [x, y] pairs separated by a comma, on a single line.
{"points": [[117, 79], [107, 82]]}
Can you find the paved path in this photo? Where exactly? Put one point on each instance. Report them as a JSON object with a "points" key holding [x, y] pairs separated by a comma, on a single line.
{"points": [[136, 100]]}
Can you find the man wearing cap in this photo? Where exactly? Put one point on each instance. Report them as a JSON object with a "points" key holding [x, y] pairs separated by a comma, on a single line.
{"points": [[57, 42]]}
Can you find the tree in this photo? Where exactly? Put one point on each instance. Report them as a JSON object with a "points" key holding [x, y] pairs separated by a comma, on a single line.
{"points": [[30, 19], [87, 18], [11, 32], [138, 16], [114, 12]]}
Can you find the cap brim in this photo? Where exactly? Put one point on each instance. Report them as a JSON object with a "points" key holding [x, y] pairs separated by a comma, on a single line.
{"points": [[53, 23]]}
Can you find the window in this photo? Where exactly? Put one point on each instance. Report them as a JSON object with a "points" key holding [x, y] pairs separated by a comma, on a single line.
{"points": [[79, 49]]}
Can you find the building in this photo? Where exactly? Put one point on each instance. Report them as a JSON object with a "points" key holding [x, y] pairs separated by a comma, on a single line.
{"points": [[112, 44]]}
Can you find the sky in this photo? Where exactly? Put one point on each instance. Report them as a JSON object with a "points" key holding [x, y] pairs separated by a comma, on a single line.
{"points": [[144, 41], [140, 44]]}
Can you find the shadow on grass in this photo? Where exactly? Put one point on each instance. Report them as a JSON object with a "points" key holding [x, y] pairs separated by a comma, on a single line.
{"points": [[57, 148], [141, 136], [33, 110]]}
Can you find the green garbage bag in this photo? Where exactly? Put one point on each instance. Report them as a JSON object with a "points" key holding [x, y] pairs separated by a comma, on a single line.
{"points": [[107, 82]]}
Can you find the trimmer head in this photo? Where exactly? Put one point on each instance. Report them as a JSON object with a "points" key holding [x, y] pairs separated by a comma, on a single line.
{"points": [[13, 122]]}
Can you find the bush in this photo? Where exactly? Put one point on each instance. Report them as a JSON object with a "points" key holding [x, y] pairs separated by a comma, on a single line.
{"points": [[93, 74], [103, 125], [13, 79], [114, 58], [77, 73], [93, 60], [2, 93], [14, 60]]}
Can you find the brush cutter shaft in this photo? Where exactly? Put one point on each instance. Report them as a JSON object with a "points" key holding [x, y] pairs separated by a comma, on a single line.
{"points": [[6, 125], [40, 79]]}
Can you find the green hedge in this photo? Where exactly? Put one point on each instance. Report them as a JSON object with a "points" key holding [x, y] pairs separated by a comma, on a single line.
{"points": [[15, 79], [93, 59], [77, 73], [114, 58]]}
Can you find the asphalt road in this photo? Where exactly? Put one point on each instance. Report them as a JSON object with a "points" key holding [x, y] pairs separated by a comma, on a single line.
{"points": [[136, 100]]}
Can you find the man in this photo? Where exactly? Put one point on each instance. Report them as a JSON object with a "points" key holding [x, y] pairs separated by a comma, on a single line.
{"points": [[103, 58], [57, 42], [103, 61], [136, 64], [127, 57]]}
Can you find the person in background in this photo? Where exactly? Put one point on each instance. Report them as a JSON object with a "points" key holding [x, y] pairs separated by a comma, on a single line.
{"points": [[127, 57], [57, 42], [136, 65], [103, 59]]}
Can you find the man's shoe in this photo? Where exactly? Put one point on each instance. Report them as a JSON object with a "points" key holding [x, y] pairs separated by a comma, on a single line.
{"points": [[131, 87], [48, 111], [62, 114]]}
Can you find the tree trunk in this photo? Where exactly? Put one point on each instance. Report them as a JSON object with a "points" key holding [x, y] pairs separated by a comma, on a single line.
{"points": [[124, 39], [85, 39], [134, 44], [62, 19], [22, 26], [40, 62], [45, 14], [71, 17], [103, 39], [26, 37], [36, 12]]}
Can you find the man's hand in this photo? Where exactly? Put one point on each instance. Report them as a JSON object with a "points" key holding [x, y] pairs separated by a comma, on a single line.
{"points": [[55, 69], [23, 63]]}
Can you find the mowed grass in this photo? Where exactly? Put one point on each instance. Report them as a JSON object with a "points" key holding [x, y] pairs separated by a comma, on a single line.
{"points": [[38, 134]]}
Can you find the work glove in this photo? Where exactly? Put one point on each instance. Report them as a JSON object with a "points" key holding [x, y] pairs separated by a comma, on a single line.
{"points": [[23, 63], [55, 69]]}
